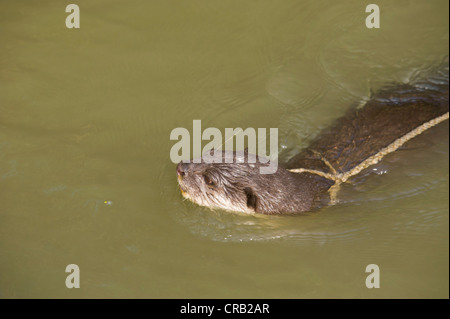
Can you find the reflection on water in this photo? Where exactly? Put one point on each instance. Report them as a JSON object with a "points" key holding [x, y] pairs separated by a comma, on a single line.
{"points": [[85, 175]]}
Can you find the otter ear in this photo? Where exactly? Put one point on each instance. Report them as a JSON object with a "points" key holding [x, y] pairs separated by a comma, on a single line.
{"points": [[252, 199]]}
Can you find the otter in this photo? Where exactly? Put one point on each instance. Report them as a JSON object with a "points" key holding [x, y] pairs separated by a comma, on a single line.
{"points": [[363, 136]]}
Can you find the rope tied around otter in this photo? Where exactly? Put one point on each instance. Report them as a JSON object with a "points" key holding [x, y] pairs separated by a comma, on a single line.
{"points": [[340, 178]]}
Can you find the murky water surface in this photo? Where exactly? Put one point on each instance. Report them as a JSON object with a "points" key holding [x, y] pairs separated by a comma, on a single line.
{"points": [[85, 173]]}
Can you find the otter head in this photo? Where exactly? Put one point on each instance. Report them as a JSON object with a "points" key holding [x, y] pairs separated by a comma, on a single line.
{"points": [[239, 185], [218, 184]]}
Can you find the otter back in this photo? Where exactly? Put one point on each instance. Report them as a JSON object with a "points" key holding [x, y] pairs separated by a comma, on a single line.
{"points": [[390, 114]]}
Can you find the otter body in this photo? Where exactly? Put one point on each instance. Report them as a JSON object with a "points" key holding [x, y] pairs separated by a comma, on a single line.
{"points": [[353, 140]]}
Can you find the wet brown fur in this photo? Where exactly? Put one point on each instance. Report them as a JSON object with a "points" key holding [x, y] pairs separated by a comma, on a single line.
{"points": [[390, 113]]}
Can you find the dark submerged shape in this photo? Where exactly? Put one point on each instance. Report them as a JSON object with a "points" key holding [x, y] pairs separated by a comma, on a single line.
{"points": [[391, 113]]}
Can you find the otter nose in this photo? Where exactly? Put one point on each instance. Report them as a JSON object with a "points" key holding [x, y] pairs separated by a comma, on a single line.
{"points": [[182, 169]]}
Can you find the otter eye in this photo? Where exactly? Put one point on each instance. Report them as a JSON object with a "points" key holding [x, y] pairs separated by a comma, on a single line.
{"points": [[208, 180]]}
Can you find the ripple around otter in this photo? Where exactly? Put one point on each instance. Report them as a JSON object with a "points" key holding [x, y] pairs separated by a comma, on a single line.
{"points": [[231, 227], [391, 183], [342, 224]]}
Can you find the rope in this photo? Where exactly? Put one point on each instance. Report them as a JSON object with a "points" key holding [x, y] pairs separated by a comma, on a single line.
{"points": [[372, 160]]}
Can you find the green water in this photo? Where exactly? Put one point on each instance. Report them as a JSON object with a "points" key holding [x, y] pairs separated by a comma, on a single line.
{"points": [[85, 173]]}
